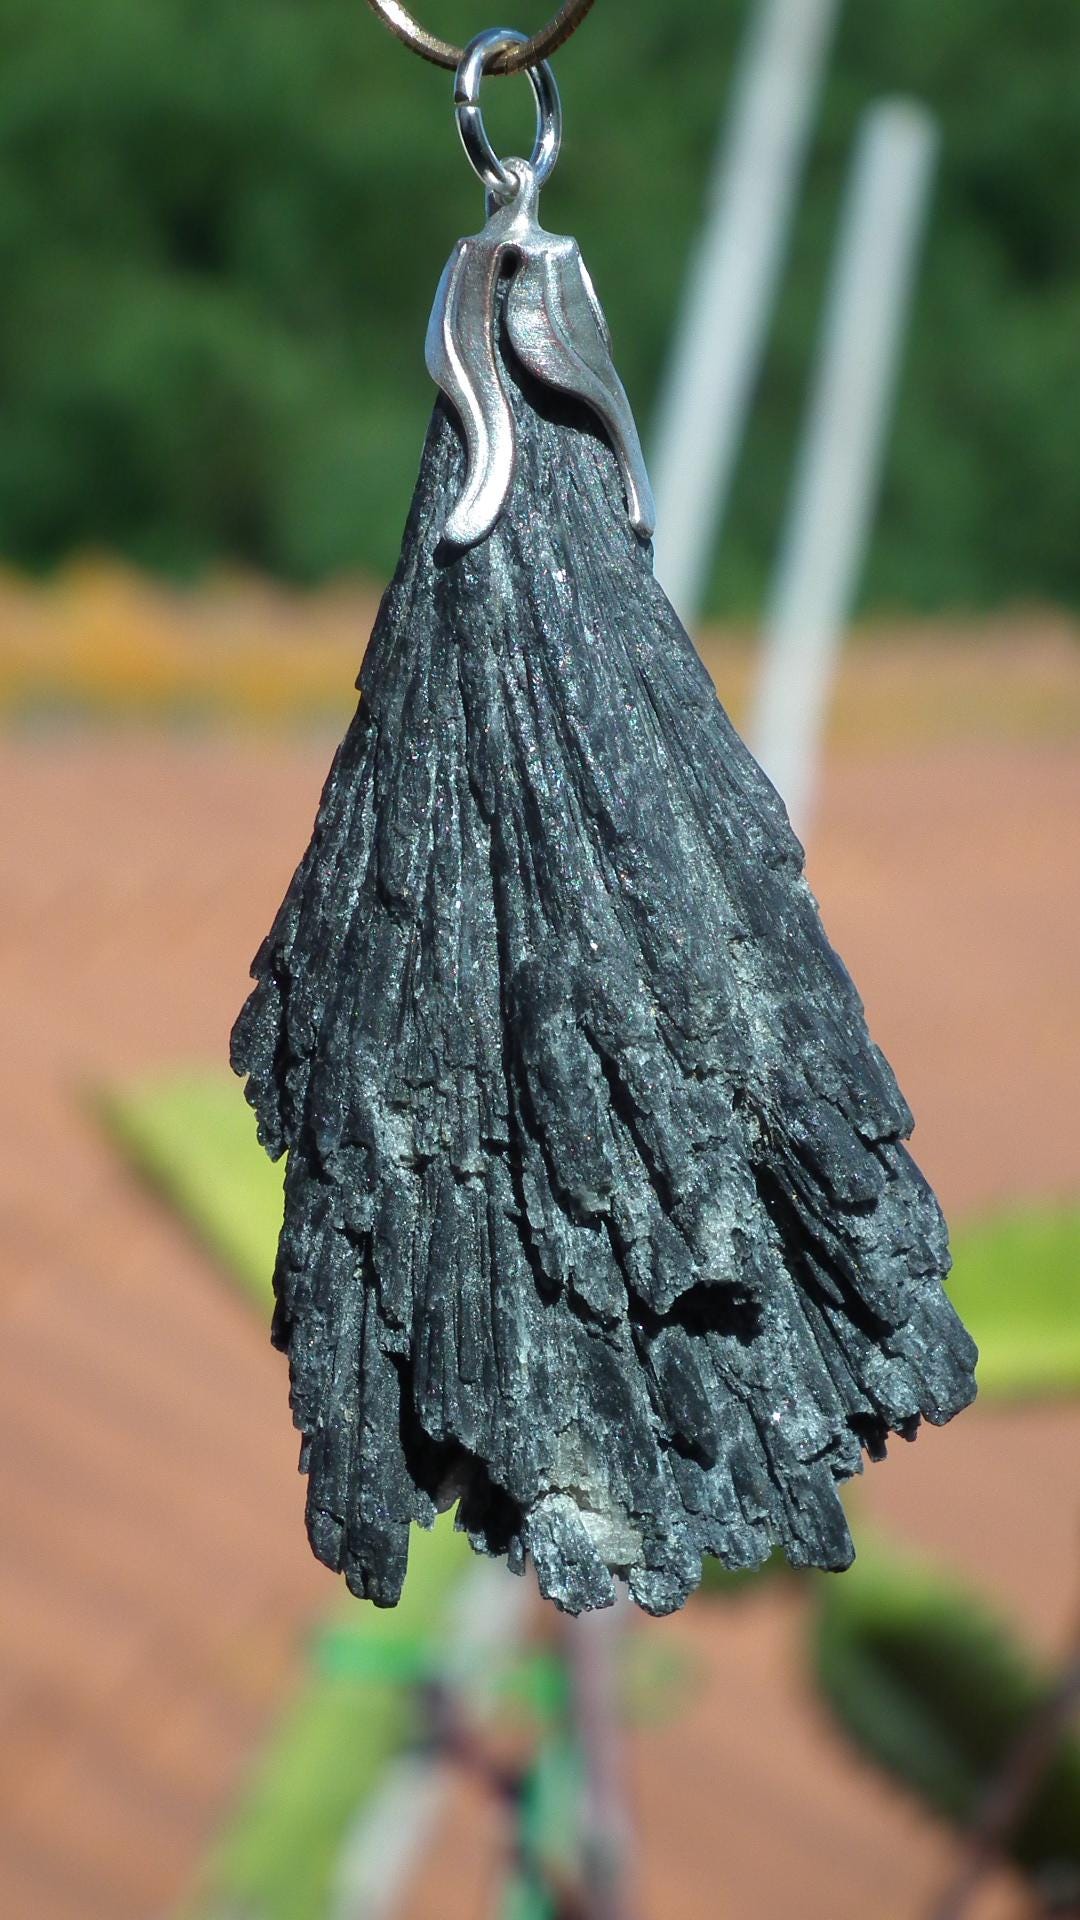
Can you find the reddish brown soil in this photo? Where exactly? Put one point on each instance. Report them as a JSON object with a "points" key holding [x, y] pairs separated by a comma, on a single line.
{"points": [[155, 1584]]}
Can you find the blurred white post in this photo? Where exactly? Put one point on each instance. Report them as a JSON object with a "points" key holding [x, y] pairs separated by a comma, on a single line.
{"points": [[592, 1645], [732, 286], [839, 469], [392, 1831]]}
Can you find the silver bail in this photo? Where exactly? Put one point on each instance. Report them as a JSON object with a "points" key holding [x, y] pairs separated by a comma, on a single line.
{"points": [[554, 320]]}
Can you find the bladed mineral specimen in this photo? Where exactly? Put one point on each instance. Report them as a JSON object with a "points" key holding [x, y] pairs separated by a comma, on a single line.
{"points": [[599, 1220]]}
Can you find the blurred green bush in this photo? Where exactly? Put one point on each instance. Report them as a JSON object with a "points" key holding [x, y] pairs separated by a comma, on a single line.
{"points": [[221, 229], [929, 1684]]}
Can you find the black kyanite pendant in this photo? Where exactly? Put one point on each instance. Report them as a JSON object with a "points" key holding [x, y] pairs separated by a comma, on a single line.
{"points": [[599, 1222]]}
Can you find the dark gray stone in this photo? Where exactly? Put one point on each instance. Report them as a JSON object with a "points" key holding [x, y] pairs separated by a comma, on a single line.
{"points": [[598, 1219]]}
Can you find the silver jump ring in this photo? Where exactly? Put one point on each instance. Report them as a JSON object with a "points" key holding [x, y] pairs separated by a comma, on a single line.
{"points": [[477, 60]]}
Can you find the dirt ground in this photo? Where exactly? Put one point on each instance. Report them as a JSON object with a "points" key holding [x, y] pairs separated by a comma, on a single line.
{"points": [[155, 1585]]}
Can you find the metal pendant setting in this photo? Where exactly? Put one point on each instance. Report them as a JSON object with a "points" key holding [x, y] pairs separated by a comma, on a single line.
{"points": [[600, 1225], [557, 331]]}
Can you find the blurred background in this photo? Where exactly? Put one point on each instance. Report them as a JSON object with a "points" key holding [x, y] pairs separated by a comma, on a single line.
{"points": [[848, 233]]}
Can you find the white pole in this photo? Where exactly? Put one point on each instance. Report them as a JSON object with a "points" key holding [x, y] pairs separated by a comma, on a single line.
{"points": [[592, 1646], [387, 1841], [732, 286], [839, 468]]}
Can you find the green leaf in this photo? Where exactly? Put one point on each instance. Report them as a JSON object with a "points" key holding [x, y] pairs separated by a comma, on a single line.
{"points": [[1016, 1285], [192, 1137], [935, 1690], [278, 1854], [550, 1837]]}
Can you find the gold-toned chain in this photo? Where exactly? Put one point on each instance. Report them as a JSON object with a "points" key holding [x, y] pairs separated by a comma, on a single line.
{"points": [[516, 58]]}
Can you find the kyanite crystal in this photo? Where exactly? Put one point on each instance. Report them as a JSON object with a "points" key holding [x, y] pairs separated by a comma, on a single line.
{"points": [[599, 1223]]}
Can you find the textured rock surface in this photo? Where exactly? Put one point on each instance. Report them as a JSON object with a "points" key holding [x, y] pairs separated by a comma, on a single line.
{"points": [[598, 1216]]}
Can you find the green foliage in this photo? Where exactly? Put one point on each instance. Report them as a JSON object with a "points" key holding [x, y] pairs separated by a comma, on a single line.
{"points": [[550, 1836], [937, 1692], [277, 1856], [193, 1138], [1016, 1285], [221, 228]]}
